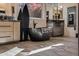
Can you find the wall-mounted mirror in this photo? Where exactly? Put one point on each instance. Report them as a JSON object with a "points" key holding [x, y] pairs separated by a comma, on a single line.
{"points": [[71, 12], [35, 10]]}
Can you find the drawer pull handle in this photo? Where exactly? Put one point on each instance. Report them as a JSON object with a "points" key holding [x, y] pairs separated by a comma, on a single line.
{"points": [[5, 36], [4, 26]]}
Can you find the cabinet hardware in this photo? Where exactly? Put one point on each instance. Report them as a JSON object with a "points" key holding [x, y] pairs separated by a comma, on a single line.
{"points": [[5, 36]]}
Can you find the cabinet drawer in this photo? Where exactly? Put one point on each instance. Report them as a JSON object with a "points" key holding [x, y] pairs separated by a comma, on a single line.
{"points": [[6, 26], [6, 37], [5, 40], [6, 34]]}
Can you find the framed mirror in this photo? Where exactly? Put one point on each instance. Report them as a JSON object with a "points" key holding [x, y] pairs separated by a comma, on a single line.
{"points": [[35, 10], [71, 13]]}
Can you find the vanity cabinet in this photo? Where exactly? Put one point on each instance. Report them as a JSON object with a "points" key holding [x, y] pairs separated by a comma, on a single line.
{"points": [[57, 27], [9, 31]]}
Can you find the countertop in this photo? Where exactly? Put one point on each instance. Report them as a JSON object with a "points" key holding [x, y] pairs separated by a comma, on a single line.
{"points": [[9, 21]]}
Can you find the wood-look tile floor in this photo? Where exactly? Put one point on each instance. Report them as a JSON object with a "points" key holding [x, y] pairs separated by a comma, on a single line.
{"points": [[70, 47]]}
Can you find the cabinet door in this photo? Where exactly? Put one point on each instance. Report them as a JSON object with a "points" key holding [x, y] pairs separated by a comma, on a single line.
{"points": [[58, 29], [6, 37], [16, 31]]}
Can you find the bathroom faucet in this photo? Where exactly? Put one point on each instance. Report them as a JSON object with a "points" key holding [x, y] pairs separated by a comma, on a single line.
{"points": [[34, 24]]}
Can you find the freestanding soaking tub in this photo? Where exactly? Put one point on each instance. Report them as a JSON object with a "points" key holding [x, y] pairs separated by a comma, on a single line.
{"points": [[39, 34]]}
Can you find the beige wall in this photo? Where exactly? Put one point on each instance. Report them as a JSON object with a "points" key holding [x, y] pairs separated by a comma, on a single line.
{"points": [[8, 10], [6, 7], [40, 23]]}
